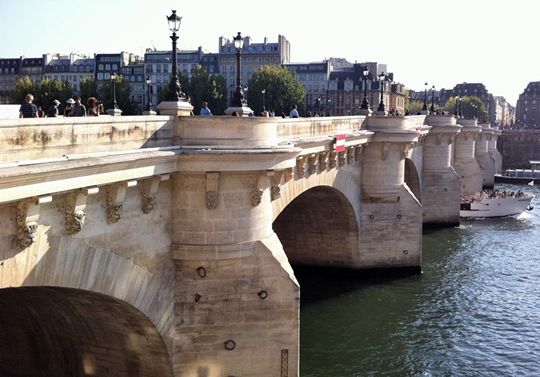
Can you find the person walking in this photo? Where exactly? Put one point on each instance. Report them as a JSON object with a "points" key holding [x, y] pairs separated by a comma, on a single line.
{"points": [[28, 109], [52, 111], [69, 107], [205, 111], [294, 112], [93, 106], [78, 108]]}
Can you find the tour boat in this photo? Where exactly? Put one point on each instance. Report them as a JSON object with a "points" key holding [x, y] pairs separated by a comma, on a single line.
{"points": [[495, 204], [521, 176]]}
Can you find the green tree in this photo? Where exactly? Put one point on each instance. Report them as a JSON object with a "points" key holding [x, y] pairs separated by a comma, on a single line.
{"points": [[123, 96], [471, 107], [89, 88], [49, 90], [209, 88], [282, 90], [44, 92], [163, 90], [415, 107], [23, 86]]}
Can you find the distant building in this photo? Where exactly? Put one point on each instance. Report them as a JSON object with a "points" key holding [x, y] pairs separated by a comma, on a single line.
{"points": [[528, 107], [10, 70], [158, 66], [107, 64], [345, 91], [210, 62], [134, 75], [314, 78], [72, 68], [253, 56]]}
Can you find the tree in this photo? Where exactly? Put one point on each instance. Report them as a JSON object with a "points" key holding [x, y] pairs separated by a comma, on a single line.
{"points": [[89, 88], [44, 93], [163, 90], [472, 107], [23, 86], [415, 107], [207, 88], [123, 96], [282, 90], [49, 90]]}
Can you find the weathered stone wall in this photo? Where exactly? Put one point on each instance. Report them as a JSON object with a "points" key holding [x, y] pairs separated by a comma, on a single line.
{"points": [[129, 260], [518, 147], [27, 139], [440, 197], [237, 308], [64, 332]]}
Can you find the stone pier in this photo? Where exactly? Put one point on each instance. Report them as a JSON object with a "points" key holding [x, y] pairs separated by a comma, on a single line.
{"points": [[484, 158], [390, 225], [440, 184], [465, 163]]}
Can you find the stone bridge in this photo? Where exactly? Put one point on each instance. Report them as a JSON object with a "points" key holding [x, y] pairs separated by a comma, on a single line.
{"points": [[163, 245]]}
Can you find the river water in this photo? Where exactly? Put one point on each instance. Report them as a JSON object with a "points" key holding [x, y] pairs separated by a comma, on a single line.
{"points": [[474, 311]]}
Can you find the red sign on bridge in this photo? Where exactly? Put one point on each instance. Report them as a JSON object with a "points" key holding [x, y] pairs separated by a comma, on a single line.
{"points": [[340, 143]]}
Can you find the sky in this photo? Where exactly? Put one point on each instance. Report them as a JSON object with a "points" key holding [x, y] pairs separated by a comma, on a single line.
{"points": [[440, 42]]}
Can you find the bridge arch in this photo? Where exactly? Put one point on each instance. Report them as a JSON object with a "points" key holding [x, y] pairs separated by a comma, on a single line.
{"points": [[53, 331], [412, 179], [319, 227]]}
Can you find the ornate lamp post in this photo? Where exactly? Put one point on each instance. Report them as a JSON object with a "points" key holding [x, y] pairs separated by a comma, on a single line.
{"points": [[238, 97], [432, 108], [113, 79], [365, 103], [424, 108], [175, 91], [149, 86], [263, 93], [318, 105], [381, 103], [456, 111], [460, 112]]}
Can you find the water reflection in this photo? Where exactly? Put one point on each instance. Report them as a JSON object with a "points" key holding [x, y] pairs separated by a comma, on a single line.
{"points": [[473, 312]]}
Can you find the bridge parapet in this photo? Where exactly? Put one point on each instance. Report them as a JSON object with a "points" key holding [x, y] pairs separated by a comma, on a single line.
{"points": [[30, 139], [257, 132]]}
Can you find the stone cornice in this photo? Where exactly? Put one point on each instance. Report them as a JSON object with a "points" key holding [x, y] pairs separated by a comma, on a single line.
{"points": [[56, 177], [227, 160]]}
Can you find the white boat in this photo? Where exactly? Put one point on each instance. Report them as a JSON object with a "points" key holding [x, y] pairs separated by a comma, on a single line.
{"points": [[495, 204]]}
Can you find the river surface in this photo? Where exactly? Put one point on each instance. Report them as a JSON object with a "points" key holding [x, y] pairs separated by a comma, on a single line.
{"points": [[474, 311]]}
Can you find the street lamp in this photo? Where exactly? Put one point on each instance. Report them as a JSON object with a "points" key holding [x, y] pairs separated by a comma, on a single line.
{"points": [[424, 108], [365, 103], [456, 111], [318, 105], [149, 87], [381, 103], [329, 106], [263, 93], [432, 108], [238, 97], [113, 79], [175, 91], [474, 107]]}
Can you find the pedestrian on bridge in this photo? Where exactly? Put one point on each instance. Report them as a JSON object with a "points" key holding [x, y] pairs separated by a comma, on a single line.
{"points": [[28, 109]]}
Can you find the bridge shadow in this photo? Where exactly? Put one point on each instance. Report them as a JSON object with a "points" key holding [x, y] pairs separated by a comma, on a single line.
{"points": [[322, 283]]}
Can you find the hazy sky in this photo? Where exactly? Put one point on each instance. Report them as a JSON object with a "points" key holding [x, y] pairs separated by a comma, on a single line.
{"points": [[441, 42]]}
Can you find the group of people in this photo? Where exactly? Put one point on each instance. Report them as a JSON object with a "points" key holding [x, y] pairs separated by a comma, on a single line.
{"points": [[73, 108], [205, 111]]}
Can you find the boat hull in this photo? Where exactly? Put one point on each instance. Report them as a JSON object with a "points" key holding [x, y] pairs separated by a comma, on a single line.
{"points": [[497, 207], [515, 180]]}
